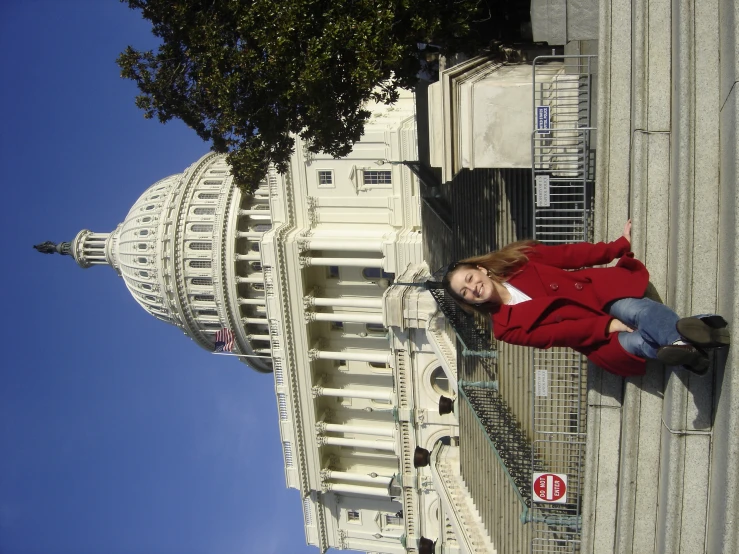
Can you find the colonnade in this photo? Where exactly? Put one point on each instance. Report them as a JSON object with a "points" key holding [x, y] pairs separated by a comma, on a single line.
{"points": [[362, 484], [379, 437]]}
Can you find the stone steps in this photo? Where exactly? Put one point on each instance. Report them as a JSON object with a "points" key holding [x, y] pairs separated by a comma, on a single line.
{"points": [[663, 449]]}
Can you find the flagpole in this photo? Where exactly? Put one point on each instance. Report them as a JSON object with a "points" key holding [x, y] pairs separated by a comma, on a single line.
{"points": [[239, 355]]}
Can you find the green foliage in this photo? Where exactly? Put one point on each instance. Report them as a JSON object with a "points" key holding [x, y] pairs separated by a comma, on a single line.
{"points": [[249, 75]]}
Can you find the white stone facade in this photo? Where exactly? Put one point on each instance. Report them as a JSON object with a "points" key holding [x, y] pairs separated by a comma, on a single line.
{"points": [[301, 272]]}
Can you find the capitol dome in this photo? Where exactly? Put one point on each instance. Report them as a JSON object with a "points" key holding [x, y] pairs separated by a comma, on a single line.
{"points": [[189, 253]]}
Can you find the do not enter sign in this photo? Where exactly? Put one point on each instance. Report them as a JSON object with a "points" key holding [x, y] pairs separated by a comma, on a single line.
{"points": [[550, 487]]}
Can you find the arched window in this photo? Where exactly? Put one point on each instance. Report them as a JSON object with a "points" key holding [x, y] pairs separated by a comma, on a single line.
{"points": [[150, 207], [207, 312], [201, 228], [146, 219], [208, 195], [212, 183], [142, 260], [262, 227], [143, 246], [379, 365], [203, 281], [143, 232], [201, 264], [203, 298], [200, 246], [255, 246], [258, 286], [146, 286], [143, 273], [439, 381], [256, 266], [204, 211]]}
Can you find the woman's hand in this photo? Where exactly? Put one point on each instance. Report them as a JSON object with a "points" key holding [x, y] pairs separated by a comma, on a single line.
{"points": [[618, 326], [627, 231]]}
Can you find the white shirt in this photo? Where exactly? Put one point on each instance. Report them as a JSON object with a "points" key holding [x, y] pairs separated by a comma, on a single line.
{"points": [[516, 295]]}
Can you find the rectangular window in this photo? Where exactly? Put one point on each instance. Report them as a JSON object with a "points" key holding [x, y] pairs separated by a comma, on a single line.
{"points": [[332, 272], [307, 512], [396, 519], [337, 326], [376, 177], [287, 450], [325, 178], [282, 406], [353, 516]]}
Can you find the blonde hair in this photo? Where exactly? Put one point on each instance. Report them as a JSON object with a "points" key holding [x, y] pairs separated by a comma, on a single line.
{"points": [[501, 265]]}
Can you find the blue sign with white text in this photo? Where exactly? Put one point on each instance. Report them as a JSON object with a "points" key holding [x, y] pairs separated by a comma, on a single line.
{"points": [[542, 119]]}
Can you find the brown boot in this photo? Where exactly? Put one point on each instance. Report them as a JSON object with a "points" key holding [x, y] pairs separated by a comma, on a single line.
{"points": [[687, 355], [700, 332]]}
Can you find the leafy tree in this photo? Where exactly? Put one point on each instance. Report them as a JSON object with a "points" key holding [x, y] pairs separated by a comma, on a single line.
{"points": [[248, 75]]}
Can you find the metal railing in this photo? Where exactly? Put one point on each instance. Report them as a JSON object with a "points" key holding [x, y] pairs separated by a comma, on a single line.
{"points": [[562, 164], [563, 176], [474, 337]]}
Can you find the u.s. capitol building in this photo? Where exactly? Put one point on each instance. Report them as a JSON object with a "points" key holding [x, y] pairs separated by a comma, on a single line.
{"points": [[301, 272]]}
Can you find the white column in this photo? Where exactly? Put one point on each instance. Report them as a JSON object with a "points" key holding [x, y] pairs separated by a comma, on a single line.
{"points": [[258, 278], [356, 477], [250, 257], [373, 545], [367, 394], [357, 490], [255, 320], [345, 262], [358, 429], [346, 317], [358, 443], [258, 337], [377, 357], [252, 235], [344, 302], [253, 301], [355, 245], [264, 213]]}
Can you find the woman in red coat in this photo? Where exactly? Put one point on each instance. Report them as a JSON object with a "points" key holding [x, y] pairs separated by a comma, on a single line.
{"points": [[599, 312]]}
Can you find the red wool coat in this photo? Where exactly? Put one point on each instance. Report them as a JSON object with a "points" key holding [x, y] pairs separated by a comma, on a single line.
{"points": [[566, 307]]}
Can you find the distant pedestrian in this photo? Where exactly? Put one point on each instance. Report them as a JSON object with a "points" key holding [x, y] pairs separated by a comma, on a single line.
{"points": [[599, 312]]}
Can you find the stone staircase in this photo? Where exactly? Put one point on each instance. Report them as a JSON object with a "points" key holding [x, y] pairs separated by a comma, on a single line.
{"points": [[663, 450]]}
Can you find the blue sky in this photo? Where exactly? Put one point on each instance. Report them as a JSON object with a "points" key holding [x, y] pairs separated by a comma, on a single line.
{"points": [[117, 433]]}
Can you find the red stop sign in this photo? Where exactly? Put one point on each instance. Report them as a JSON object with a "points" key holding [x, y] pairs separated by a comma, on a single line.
{"points": [[550, 487]]}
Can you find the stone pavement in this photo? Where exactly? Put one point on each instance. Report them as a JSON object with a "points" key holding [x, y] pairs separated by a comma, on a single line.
{"points": [[663, 450]]}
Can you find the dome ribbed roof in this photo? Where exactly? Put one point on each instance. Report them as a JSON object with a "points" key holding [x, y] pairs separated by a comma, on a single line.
{"points": [[137, 249], [189, 253]]}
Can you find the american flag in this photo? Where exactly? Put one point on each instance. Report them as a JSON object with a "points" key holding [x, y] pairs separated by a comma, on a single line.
{"points": [[224, 341]]}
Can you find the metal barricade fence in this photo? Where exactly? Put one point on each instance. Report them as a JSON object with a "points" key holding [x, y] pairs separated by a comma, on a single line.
{"points": [[563, 176]]}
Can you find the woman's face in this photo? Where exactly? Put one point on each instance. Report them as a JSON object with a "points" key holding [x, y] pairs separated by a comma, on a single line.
{"points": [[474, 286]]}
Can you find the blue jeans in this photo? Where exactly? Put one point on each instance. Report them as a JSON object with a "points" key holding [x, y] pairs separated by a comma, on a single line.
{"points": [[653, 324]]}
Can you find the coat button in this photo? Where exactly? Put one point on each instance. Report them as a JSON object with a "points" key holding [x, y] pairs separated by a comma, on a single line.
{"points": [[554, 286], [578, 286]]}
